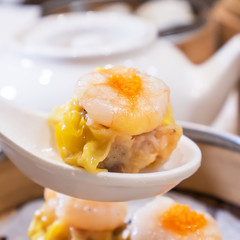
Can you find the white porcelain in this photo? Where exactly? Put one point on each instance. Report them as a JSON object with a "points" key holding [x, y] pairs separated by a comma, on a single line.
{"points": [[27, 140], [9, 26], [167, 14], [85, 35], [197, 91]]}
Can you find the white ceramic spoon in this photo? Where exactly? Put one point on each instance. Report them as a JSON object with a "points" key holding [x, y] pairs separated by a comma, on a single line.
{"points": [[28, 141]]}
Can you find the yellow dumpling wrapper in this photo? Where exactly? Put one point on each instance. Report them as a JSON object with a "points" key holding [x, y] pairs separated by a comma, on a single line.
{"points": [[40, 224], [48, 230], [58, 230], [168, 119], [80, 144]]}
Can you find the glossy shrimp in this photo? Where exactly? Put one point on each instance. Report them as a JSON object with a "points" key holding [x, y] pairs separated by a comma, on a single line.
{"points": [[163, 218], [123, 99], [88, 215]]}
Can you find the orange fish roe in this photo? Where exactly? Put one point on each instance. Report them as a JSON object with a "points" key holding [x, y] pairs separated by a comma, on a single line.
{"points": [[125, 80], [129, 85], [181, 220]]}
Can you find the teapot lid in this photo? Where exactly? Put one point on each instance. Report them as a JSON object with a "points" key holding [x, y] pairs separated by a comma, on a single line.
{"points": [[83, 35]]}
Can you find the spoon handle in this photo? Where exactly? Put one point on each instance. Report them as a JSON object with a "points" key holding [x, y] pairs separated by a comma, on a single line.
{"points": [[209, 136]]}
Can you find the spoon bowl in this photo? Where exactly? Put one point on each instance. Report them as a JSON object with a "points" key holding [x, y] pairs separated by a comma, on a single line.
{"points": [[28, 141]]}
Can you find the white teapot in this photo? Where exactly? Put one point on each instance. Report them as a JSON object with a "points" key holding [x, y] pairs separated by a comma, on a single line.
{"points": [[41, 70]]}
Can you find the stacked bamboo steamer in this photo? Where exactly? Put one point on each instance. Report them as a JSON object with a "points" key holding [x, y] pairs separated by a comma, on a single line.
{"points": [[201, 45], [227, 15], [223, 23]]}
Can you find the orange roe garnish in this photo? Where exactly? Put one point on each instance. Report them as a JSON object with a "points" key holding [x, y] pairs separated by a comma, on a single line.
{"points": [[130, 86], [181, 220], [125, 80]]}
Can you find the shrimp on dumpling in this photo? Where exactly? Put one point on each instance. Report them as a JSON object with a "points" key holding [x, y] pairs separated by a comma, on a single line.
{"points": [[65, 218], [163, 218], [123, 99], [120, 120]]}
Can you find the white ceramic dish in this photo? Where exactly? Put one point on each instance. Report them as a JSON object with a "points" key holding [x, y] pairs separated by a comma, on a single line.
{"points": [[84, 35], [27, 139], [106, 186], [9, 26]]}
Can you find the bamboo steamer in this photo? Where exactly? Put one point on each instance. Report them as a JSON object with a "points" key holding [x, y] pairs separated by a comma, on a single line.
{"points": [[202, 44], [16, 189], [227, 14]]}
